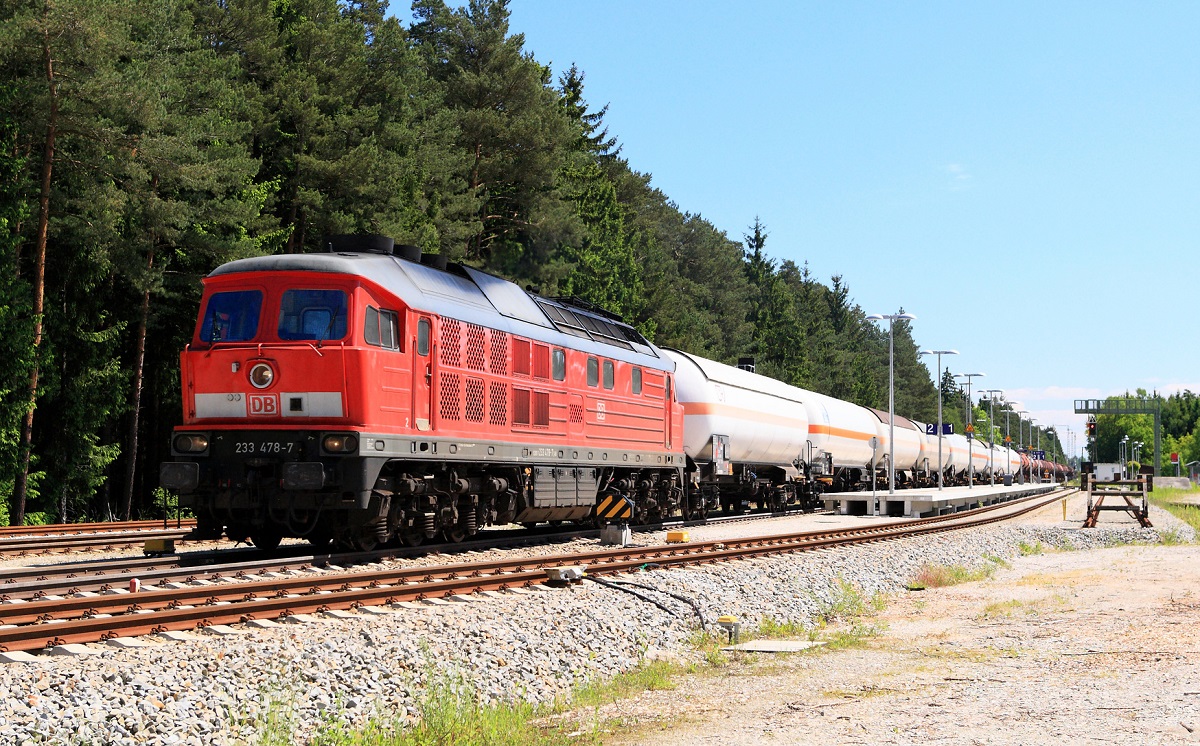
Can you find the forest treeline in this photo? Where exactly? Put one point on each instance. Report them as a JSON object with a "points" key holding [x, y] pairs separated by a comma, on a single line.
{"points": [[145, 142]]}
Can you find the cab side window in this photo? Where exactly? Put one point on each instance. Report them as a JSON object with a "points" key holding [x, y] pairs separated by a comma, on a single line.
{"points": [[609, 375], [559, 364], [637, 380], [380, 328], [423, 337], [593, 371]]}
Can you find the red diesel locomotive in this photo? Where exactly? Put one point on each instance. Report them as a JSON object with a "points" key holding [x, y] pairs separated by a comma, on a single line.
{"points": [[367, 394]]}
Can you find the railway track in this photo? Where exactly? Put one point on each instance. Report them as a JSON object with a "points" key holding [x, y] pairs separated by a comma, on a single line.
{"points": [[265, 593], [20, 546]]}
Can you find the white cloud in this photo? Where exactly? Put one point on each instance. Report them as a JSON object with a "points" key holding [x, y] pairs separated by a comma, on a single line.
{"points": [[960, 178]]}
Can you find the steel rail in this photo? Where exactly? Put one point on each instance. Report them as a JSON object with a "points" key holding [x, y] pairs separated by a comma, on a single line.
{"points": [[190, 607], [52, 529]]}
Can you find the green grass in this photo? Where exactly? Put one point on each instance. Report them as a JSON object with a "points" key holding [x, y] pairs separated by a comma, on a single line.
{"points": [[773, 629], [651, 677], [449, 714], [1165, 498], [940, 576], [847, 602], [1025, 548]]}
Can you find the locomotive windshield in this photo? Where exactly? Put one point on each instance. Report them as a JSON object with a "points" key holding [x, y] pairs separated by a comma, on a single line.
{"points": [[312, 314], [231, 316]]}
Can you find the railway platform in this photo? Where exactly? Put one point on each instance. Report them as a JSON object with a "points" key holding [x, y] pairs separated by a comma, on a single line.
{"points": [[922, 503]]}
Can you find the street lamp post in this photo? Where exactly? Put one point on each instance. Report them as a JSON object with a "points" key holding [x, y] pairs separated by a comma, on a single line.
{"points": [[939, 354], [970, 436], [892, 318], [991, 431], [1033, 447]]}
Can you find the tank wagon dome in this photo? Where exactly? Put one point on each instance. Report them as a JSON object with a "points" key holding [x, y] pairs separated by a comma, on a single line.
{"points": [[470, 295]]}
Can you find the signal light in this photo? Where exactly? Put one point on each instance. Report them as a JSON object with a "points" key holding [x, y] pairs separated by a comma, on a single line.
{"points": [[1091, 428], [191, 443], [339, 443]]}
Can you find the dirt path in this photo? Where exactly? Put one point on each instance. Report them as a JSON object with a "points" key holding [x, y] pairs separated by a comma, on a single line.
{"points": [[1062, 648]]}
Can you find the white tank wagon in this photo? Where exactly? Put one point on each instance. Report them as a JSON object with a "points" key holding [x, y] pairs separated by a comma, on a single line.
{"points": [[981, 458], [746, 435], [909, 447], [957, 459], [756, 440], [1014, 462]]}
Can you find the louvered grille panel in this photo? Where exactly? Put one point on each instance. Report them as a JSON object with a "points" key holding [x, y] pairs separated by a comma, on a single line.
{"points": [[520, 406], [474, 347], [541, 408], [521, 356], [541, 361], [499, 353], [451, 396], [451, 343], [474, 399], [498, 404]]}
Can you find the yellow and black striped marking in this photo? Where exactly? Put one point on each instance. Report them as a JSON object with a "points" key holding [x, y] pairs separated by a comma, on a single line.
{"points": [[614, 508]]}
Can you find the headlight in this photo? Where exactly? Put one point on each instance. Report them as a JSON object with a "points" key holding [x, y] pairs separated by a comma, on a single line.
{"points": [[191, 443], [261, 376], [339, 443]]}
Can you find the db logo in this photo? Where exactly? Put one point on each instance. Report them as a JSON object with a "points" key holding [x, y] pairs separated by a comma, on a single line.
{"points": [[264, 404]]}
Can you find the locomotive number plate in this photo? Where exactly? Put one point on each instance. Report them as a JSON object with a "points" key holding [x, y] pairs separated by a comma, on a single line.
{"points": [[266, 447]]}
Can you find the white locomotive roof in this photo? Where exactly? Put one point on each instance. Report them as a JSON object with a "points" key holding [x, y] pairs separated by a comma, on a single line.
{"points": [[474, 297]]}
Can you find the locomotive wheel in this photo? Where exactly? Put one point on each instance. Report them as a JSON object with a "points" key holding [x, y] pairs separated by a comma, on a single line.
{"points": [[454, 535], [265, 541], [411, 536], [365, 542]]}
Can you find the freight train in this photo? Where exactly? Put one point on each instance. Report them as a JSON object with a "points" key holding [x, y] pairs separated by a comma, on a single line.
{"points": [[371, 394]]}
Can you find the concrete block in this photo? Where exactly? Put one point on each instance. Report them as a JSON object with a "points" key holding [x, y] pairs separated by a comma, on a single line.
{"points": [[73, 649], [220, 630], [127, 642]]}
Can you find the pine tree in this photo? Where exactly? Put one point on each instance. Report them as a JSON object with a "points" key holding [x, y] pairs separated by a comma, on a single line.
{"points": [[512, 128]]}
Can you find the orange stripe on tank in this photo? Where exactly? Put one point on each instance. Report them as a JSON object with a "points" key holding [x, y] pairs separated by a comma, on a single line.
{"points": [[725, 410]]}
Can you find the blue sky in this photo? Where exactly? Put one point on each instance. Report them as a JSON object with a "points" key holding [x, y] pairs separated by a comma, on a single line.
{"points": [[1021, 176]]}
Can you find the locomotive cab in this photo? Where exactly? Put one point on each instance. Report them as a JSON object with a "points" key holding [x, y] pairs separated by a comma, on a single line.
{"points": [[270, 415]]}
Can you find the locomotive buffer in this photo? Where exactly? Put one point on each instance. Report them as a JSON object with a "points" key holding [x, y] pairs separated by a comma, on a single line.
{"points": [[614, 513], [1134, 493]]}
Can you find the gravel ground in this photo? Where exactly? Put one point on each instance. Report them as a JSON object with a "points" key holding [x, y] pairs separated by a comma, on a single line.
{"points": [[536, 645]]}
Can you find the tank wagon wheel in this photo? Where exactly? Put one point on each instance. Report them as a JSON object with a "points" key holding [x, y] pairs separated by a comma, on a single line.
{"points": [[529, 524], [265, 541]]}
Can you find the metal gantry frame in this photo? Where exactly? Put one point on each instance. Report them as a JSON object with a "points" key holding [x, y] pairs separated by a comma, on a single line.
{"points": [[1128, 405]]}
